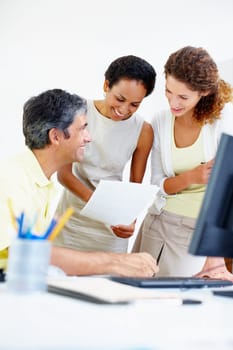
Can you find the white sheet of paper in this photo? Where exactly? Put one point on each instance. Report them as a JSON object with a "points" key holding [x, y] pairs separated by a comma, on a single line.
{"points": [[118, 202]]}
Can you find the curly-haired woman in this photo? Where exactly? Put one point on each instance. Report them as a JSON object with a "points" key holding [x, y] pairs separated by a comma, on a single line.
{"points": [[185, 142]]}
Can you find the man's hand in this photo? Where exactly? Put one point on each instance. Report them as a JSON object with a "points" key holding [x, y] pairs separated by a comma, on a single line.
{"points": [[74, 262], [133, 265]]}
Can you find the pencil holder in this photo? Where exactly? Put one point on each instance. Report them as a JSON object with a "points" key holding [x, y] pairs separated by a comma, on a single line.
{"points": [[28, 265]]}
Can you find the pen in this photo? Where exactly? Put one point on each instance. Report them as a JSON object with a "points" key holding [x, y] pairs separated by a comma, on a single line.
{"points": [[61, 222], [20, 225], [12, 215], [159, 256], [50, 228], [2, 275], [191, 302]]}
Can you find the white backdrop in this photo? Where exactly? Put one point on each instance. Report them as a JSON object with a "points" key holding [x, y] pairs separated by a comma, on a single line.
{"points": [[68, 44]]}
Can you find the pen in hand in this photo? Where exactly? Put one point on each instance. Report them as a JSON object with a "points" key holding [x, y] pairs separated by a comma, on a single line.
{"points": [[159, 256]]}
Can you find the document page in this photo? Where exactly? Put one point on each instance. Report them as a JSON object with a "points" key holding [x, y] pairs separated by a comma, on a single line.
{"points": [[118, 202]]}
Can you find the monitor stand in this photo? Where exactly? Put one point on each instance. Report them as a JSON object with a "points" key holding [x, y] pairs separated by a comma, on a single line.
{"points": [[223, 293]]}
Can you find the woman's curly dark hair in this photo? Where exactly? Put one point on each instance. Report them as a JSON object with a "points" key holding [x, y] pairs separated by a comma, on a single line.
{"points": [[195, 68]]}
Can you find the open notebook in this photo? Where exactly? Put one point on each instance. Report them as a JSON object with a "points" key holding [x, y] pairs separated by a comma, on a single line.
{"points": [[172, 282]]}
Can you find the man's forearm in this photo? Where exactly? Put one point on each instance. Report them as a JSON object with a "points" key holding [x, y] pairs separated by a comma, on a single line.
{"points": [[74, 262]]}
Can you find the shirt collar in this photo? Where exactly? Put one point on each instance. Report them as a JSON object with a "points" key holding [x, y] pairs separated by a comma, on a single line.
{"points": [[32, 165]]}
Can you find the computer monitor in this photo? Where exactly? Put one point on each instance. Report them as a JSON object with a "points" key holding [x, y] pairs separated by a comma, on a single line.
{"points": [[213, 234]]}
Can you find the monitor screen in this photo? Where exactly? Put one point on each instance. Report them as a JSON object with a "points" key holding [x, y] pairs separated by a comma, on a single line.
{"points": [[213, 234]]}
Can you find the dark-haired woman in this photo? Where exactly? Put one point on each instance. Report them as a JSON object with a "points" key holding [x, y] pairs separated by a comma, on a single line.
{"points": [[118, 134]]}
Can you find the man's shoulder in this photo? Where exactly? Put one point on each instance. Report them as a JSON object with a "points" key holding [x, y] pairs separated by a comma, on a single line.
{"points": [[12, 167]]}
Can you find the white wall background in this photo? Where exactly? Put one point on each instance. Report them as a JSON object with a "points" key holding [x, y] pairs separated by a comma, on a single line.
{"points": [[69, 43]]}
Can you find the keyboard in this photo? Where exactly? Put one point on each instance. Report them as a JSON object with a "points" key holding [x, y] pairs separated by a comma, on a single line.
{"points": [[171, 282]]}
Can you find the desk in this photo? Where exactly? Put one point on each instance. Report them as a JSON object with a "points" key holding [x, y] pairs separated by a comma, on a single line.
{"points": [[52, 322]]}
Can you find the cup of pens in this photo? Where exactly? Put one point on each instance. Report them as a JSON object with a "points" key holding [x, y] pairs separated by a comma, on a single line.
{"points": [[29, 255], [28, 265]]}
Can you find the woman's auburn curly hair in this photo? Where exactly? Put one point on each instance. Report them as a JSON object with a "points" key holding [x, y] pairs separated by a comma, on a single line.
{"points": [[195, 68]]}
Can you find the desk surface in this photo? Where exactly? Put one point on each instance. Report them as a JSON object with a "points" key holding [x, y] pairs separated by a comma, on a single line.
{"points": [[47, 321]]}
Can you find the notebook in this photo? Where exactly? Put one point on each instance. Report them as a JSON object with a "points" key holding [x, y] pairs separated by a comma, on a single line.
{"points": [[103, 290], [171, 282]]}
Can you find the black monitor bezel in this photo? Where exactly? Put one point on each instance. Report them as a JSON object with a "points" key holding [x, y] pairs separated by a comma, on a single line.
{"points": [[213, 233]]}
